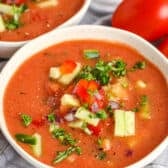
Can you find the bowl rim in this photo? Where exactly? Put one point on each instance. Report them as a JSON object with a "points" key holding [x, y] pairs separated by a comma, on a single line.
{"points": [[140, 163], [77, 15]]}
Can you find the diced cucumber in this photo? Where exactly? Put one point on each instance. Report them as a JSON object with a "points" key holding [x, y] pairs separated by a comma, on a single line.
{"points": [[6, 9], [69, 100], [54, 73], [129, 123], [119, 129], [47, 3], [67, 78], [141, 84], [124, 123], [2, 24], [80, 125], [37, 148], [87, 116]]}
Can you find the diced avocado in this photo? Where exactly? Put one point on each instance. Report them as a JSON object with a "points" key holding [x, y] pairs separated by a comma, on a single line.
{"points": [[87, 116], [80, 125], [37, 148], [69, 100], [54, 73], [47, 3], [67, 78], [2, 24], [6, 9], [124, 123], [141, 84]]}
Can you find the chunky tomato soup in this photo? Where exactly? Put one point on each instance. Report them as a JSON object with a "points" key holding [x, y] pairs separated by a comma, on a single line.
{"points": [[26, 19], [87, 104]]}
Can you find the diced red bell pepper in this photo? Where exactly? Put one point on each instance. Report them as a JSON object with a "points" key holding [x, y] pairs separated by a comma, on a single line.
{"points": [[93, 85], [38, 122], [96, 130], [82, 90], [67, 67]]}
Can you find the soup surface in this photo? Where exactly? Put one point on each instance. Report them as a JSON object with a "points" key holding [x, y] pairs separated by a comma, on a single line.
{"points": [[26, 19], [87, 104]]}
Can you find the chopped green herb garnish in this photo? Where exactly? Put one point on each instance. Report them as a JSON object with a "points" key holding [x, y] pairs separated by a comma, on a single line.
{"points": [[64, 137], [62, 155], [143, 100], [99, 141], [101, 155], [90, 54], [101, 114], [118, 68], [14, 23], [28, 139], [26, 119], [139, 65], [86, 73], [103, 70], [51, 117]]}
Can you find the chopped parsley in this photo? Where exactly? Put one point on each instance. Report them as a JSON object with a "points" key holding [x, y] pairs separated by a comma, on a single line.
{"points": [[51, 117], [143, 100], [139, 65], [64, 137], [101, 114], [26, 119], [103, 70], [101, 155], [62, 155], [14, 22], [118, 68]]}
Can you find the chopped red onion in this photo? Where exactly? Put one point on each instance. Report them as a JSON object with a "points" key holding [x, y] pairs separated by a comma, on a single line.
{"points": [[95, 107], [98, 96], [114, 105]]}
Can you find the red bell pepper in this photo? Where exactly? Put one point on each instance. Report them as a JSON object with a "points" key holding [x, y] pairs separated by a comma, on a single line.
{"points": [[67, 67]]}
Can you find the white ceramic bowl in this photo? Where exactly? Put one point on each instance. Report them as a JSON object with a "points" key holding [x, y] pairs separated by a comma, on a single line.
{"points": [[74, 33], [8, 48]]}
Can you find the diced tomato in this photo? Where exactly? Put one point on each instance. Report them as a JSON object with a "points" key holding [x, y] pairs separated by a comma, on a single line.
{"points": [[39, 122], [81, 90], [93, 85], [96, 130], [67, 67], [17, 2]]}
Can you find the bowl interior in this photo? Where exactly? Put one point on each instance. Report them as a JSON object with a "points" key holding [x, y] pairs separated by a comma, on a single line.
{"points": [[75, 33]]}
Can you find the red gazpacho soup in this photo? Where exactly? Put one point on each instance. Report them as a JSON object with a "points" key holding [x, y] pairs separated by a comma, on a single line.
{"points": [[87, 103], [22, 20]]}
